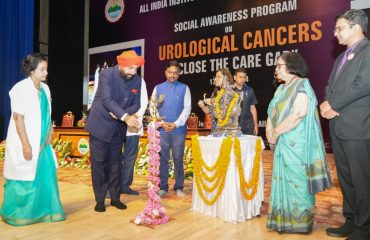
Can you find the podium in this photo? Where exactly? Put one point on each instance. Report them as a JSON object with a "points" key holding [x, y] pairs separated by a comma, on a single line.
{"points": [[231, 206]]}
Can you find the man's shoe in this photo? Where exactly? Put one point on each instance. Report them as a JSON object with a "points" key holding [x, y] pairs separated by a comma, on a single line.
{"points": [[357, 235], [180, 193], [130, 191], [162, 193], [342, 231], [99, 207], [118, 204]]}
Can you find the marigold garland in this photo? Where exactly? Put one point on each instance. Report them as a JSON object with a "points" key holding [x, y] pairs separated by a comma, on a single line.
{"points": [[222, 122], [253, 183], [220, 166], [219, 169]]}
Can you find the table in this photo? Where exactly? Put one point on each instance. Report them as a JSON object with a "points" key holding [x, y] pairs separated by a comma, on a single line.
{"points": [[231, 206], [75, 134]]}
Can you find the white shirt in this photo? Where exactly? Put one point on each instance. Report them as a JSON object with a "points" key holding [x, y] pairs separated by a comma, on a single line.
{"points": [[182, 119], [96, 80], [140, 113]]}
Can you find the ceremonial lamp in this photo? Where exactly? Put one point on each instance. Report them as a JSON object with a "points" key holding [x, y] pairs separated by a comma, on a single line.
{"points": [[154, 213]]}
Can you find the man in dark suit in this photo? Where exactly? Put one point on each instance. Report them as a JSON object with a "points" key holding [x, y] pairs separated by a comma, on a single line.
{"points": [[116, 101], [347, 105], [248, 117]]}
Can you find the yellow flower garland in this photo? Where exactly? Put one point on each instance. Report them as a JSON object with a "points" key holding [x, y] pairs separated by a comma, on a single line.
{"points": [[220, 166], [219, 169], [255, 171], [223, 122]]}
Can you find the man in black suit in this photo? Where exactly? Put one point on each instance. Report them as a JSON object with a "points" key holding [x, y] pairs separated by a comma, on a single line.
{"points": [[347, 105], [113, 110]]}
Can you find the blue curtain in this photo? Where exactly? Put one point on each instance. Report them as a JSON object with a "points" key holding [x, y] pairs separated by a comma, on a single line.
{"points": [[16, 41]]}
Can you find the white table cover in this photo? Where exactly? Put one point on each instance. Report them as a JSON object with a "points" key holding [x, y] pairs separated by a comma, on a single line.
{"points": [[231, 206]]}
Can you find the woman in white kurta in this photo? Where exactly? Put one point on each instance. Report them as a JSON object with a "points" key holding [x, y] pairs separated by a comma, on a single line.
{"points": [[31, 192]]}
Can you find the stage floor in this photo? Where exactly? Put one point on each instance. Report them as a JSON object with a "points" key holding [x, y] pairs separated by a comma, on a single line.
{"points": [[84, 223]]}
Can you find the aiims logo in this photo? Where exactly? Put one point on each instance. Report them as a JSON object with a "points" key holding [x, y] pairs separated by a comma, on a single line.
{"points": [[83, 146], [114, 10]]}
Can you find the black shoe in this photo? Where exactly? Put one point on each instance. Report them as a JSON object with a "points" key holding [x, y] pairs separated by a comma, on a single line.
{"points": [[99, 207], [343, 231], [357, 235], [130, 191], [118, 204]]}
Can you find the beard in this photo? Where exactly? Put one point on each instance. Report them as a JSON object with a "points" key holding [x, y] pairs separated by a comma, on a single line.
{"points": [[126, 75]]}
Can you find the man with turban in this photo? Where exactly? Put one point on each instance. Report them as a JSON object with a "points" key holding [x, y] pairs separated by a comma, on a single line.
{"points": [[112, 112]]}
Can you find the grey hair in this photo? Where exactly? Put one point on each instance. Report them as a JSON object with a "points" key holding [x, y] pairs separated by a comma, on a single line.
{"points": [[356, 16]]}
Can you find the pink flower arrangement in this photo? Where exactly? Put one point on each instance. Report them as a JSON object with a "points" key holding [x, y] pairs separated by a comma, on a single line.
{"points": [[154, 213]]}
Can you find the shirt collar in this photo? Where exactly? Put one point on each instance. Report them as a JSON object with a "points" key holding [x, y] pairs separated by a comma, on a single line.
{"points": [[353, 46]]}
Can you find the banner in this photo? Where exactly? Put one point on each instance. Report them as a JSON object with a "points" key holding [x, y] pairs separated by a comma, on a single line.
{"points": [[205, 35]]}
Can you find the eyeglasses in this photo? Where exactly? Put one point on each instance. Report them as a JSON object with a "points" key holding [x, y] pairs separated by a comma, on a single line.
{"points": [[278, 65], [340, 28]]}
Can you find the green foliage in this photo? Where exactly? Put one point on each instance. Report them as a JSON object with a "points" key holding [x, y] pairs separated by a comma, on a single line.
{"points": [[63, 149], [188, 163], [141, 166]]}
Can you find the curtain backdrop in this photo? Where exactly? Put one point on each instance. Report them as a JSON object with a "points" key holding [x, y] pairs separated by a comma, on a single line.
{"points": [[16, 41]]}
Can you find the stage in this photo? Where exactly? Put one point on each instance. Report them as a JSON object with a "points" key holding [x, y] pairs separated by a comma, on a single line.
{"points": [[84, 223]]}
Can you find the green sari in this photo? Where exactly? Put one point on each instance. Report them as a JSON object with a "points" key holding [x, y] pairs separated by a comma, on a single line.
{"points": [[28, 202], [300, 168]]}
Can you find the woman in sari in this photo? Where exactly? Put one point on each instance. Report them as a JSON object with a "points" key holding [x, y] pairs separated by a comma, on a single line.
{"points": [[31, 192], [300, 168]]}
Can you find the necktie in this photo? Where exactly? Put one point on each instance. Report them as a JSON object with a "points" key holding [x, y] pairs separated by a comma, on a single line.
{"points": [[344, 60]]}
